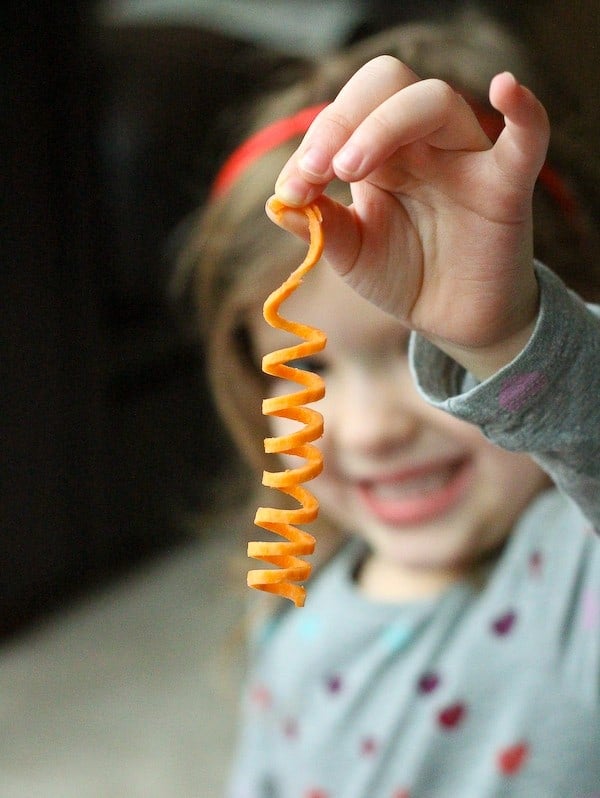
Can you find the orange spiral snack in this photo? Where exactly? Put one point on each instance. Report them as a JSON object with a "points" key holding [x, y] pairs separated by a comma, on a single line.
{"points": [[286, 555]]}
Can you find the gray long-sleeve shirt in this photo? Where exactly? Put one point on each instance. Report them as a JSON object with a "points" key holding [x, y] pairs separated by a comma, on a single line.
{"points": [[491, 689]]}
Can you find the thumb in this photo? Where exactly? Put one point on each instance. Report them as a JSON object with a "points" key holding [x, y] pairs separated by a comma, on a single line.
{"points": [[340, 229]]}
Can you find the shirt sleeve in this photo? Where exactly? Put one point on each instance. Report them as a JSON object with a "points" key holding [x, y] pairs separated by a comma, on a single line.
{"points": [[545, 402]]}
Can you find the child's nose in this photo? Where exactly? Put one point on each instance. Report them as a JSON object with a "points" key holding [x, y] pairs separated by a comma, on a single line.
{"points": [[375, 415]]}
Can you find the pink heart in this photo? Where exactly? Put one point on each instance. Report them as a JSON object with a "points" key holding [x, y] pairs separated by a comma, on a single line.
{"points": [[334, 683], [368, 746], [290, 728], [591, 611], [518, 390], [452, 716], [261, 696], [511, 760]]}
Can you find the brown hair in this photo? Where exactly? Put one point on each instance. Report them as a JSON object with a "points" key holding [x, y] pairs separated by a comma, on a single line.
{"points": [[234, 256]]}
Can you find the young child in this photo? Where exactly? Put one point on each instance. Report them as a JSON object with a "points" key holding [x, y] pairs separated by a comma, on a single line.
{"points": [[450, 641]]}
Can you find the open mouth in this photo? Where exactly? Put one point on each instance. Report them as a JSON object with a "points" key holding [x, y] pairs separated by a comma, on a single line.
{"points": [[417, 496]]}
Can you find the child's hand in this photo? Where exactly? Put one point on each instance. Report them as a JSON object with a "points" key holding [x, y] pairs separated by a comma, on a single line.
{"points": [[440, 231]]}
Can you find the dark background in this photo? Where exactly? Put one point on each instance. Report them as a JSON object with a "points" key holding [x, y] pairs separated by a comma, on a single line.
{"points": [[108, 438]]}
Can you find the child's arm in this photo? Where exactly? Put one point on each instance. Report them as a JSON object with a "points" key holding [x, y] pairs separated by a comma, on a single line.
{"points": [[545, 402], [440, 229]]}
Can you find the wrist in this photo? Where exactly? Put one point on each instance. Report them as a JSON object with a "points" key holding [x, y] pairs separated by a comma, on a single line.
{"points": [[484, 362], [512, 332]]}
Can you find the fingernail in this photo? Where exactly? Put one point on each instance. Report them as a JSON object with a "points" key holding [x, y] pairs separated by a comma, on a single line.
{"points": [[314, 162], [292, 191], [348, 159], [273, 207], [291, 219]]}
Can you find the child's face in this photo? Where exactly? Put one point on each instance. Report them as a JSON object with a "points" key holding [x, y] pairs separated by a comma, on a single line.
{"points": [[428, 492]]}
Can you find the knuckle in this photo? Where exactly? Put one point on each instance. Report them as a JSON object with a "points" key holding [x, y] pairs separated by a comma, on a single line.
{"points": [[390, 71], [338, 124], [381, 125], [387, 63], [441, 92]]}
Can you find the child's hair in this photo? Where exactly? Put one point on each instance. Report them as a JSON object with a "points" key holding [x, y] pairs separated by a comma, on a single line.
{"points": [[234, 256]]}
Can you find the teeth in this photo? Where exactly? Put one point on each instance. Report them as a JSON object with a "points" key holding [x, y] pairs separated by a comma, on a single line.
{"points": [[419, 485]]}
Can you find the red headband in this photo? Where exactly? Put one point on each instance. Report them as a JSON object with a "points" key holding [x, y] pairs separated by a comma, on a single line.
{"points": [[283, 130], [263, 141]]}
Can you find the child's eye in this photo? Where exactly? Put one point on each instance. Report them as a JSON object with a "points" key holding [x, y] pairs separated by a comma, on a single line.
{"points": [[314, 364]]}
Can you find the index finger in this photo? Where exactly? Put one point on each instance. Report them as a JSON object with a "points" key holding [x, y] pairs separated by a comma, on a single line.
{"points": [[310, 168]]}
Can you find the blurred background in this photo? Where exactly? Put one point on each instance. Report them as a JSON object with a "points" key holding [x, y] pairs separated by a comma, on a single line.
{"points": [[118, 625]]}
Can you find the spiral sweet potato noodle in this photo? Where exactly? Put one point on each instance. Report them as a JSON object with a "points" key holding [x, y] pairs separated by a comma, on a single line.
{"points": [[286, 555]]}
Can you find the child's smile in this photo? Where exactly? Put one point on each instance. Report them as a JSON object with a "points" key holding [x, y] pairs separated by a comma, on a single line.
{"points": [[415, 495]]}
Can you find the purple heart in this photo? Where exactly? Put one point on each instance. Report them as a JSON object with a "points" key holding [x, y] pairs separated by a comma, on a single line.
{"points": [[428, 682], [504, 623]]}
